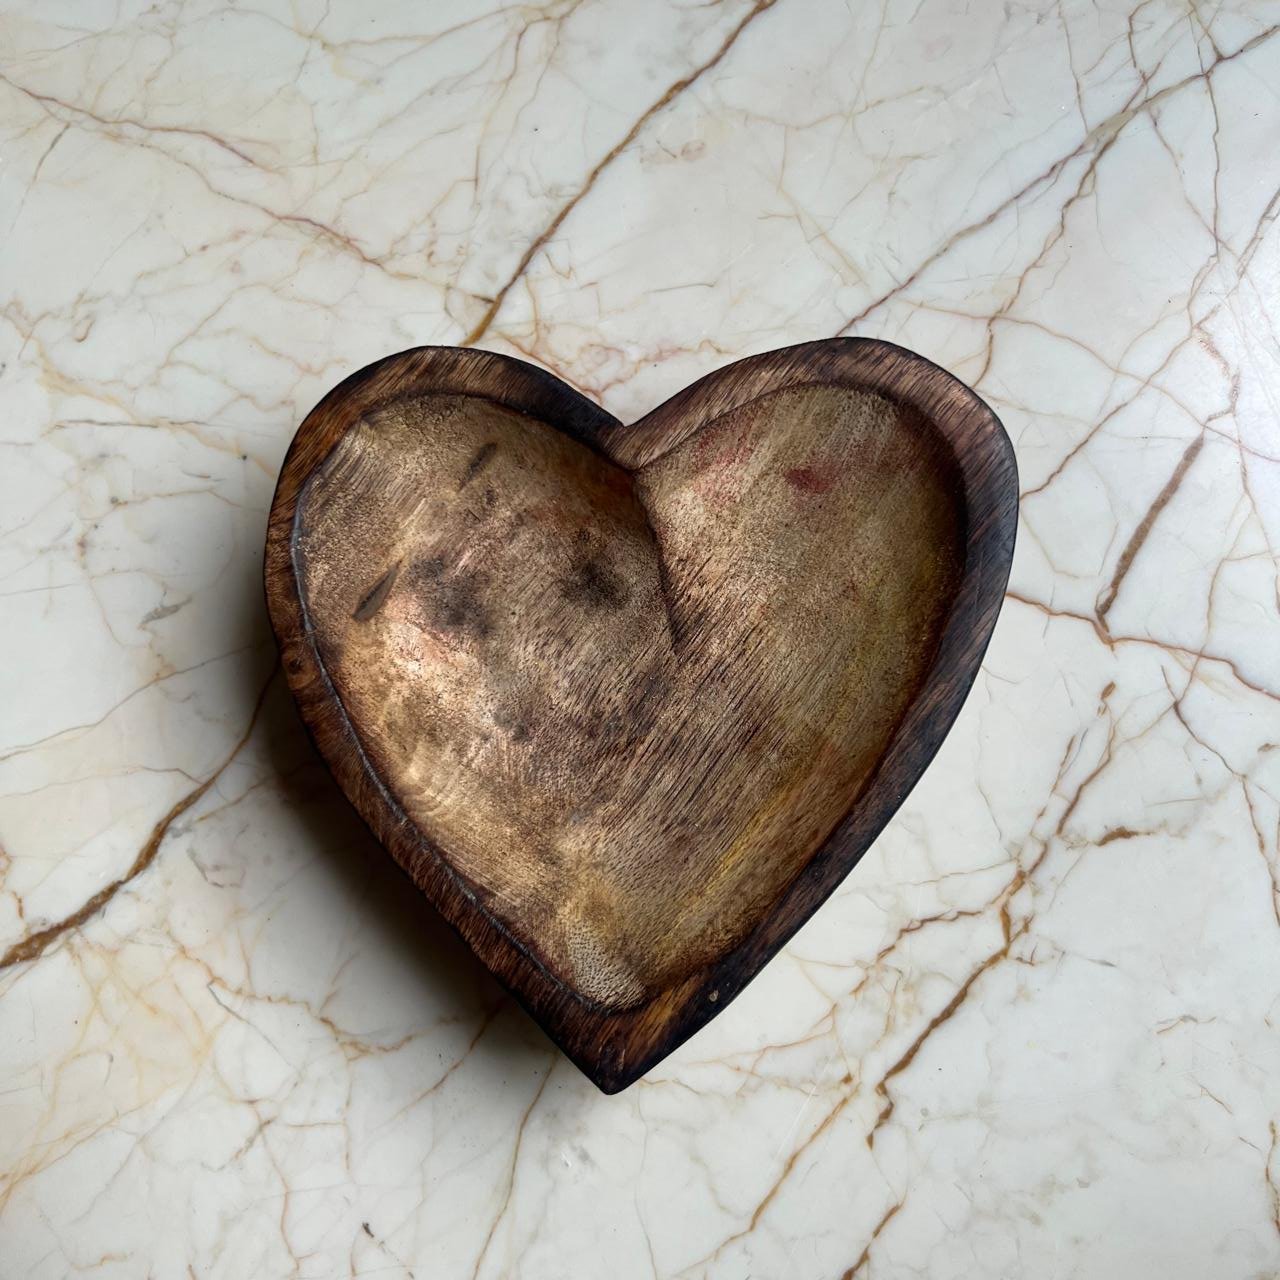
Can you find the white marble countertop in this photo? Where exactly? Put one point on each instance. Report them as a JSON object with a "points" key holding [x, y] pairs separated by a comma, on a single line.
{"points": [[1037, 1031]]}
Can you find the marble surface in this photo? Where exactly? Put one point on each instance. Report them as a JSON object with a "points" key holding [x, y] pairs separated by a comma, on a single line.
{"points": [[1037, 1032]]}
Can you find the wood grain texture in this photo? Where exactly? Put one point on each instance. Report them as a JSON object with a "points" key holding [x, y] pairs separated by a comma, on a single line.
{"points": [[628, 702]]}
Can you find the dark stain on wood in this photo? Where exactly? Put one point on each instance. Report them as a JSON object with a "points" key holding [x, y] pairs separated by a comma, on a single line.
{"points": [[595, 584], [477, 464], [376, 596], [809, 480], [450, 598], [630, 718]]}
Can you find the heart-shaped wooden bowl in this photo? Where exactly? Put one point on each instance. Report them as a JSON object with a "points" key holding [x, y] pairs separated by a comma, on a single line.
{"points": [[627, 703]]}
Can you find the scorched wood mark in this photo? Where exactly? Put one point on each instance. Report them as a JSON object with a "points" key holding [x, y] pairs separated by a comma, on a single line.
{"points": [[377, 595], [477, 464]]}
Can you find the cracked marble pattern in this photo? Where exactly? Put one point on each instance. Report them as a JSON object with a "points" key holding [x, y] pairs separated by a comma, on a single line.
{"points": [[1037, 1032]]}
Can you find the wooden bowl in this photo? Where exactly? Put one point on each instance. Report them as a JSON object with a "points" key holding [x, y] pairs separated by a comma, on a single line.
{"points": [[628, 702]]}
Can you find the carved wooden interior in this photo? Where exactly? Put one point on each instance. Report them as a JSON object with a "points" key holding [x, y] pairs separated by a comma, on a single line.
{"points": [[628, 705]]}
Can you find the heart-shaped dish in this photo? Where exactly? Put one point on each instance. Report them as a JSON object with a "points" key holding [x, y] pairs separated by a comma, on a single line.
{"points": [[627, 703]]}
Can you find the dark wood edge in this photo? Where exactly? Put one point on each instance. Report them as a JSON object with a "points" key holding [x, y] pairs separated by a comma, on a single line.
{"points": [[615, 1048]]}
